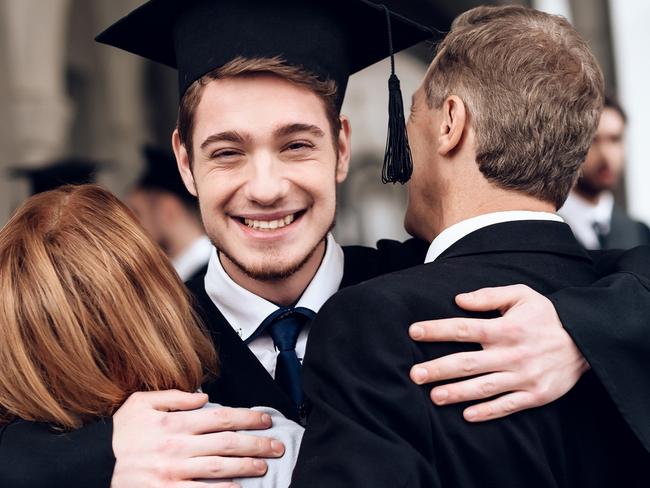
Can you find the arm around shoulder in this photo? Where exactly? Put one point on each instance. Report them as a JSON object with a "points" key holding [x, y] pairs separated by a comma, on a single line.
{"points": [[610, 324]]}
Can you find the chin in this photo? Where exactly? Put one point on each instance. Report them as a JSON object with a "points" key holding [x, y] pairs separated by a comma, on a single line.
{"points": [[272, 266]]}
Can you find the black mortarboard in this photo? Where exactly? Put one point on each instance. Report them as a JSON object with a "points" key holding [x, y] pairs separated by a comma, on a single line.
{"points": [[330, 38], [161, 174], [67, 172]]}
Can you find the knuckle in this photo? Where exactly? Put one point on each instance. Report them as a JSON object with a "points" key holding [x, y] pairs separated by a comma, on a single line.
{"points": [[216, 467], [480, 330], [171, 446], [164, 472], [228, 441], [225, 417], [509, 405], [488, 388], [469, 364], [462, 330]]}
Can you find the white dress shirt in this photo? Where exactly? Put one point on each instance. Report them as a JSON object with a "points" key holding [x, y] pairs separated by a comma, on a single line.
{"points": [[245, 311], [193, 258], [581, 216], [456, 232]]}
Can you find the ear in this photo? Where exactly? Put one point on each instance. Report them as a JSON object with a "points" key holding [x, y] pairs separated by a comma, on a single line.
{"points": [[452, 126], [343, 164], [183, 161]]}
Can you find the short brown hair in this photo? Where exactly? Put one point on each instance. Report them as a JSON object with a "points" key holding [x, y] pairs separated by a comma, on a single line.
{"points": [[90, 311], [240, 66], [534, 94]]}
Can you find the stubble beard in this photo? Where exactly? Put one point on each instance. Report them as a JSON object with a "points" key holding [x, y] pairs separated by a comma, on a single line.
{"points": [[266, 273]]}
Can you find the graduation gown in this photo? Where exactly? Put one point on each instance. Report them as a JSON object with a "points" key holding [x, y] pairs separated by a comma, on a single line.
{"points": [[34, 456], [371, 426]]}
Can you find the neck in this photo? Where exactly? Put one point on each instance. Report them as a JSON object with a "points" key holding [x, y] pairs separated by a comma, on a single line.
{"points": [[181, 238], [462, 207], [282, 291]]}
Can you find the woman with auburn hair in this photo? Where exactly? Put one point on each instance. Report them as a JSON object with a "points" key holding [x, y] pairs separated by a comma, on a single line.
{"points": [[92, 311]]}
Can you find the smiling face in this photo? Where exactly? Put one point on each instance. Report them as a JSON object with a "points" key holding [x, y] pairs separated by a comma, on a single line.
{"points": [[265, 168]]}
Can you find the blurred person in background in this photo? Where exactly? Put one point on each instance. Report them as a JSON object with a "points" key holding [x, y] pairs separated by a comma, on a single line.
{"points": [[171, 214], [91, 312], [596, 221], [59, 173]]}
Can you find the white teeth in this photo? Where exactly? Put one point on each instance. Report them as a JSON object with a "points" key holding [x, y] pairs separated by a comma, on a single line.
{"points": [[270, 224]]}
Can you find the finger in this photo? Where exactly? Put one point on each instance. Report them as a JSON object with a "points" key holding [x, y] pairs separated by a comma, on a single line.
{"points": [[499, 407], [458, 365], [170, 400], [499, 298], [453, 330], [478, 388], [223, 419], [221, 468], [233, 444]]}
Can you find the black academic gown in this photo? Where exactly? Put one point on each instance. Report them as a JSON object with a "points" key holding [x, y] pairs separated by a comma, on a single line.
{"points": [[371, 426], [34, 456]]}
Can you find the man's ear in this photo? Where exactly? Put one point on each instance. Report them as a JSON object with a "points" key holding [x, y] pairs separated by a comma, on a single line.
{"points": [[452, 126], [343, 164], [183, 161]]}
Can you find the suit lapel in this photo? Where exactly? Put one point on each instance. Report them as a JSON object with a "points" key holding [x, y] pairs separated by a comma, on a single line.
{"points": [[242, 380]]}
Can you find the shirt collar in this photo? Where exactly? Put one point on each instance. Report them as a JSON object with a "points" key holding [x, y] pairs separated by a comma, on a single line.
{"points": [[245, 311], [456, 232], [577, 208], [193, 258]]}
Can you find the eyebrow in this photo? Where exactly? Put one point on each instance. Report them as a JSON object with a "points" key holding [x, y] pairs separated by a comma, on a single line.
{"points": [[227, 136], [289, 129]]}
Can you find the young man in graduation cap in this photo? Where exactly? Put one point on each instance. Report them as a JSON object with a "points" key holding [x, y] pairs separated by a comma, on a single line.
{"points": [[171, 214], [261, 143], [499, 129]]}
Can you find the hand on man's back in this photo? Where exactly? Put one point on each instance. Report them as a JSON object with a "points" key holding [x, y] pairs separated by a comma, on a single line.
{"points": [[528, 358], [165, 438]]}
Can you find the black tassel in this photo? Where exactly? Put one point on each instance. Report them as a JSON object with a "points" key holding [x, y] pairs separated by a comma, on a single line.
{"points": [[398, 163]]}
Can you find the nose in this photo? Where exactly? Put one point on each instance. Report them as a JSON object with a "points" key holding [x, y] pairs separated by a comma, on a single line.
{"points": [[267, 183]]}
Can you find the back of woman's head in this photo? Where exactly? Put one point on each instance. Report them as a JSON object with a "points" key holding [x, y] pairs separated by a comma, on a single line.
{"points": [[90, 311]]}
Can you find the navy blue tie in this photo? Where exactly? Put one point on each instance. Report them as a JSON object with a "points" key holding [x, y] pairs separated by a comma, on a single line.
{"points": [[284, 326]]}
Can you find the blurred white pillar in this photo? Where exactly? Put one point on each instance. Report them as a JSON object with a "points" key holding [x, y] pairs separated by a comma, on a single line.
{"points": [[557, 7], [35, 39], [631, 39], [7, 146]]}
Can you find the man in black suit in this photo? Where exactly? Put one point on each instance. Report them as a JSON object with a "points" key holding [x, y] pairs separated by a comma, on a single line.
{"points": [[245, 172], [498, 129]]}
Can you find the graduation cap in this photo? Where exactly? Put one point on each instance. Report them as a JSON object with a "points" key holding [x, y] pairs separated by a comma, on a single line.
{"points": [[330, 38], [67, 172], [161, 174]]}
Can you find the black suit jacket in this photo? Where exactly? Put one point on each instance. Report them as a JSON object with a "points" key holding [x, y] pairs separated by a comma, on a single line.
{"points": [[625, 232], [371, 426], [34, 456]]}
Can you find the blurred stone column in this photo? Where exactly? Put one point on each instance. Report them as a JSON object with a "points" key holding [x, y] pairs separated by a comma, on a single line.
{"points": [[631, 38], [123, 121], [7, 147], [38, 105]]}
